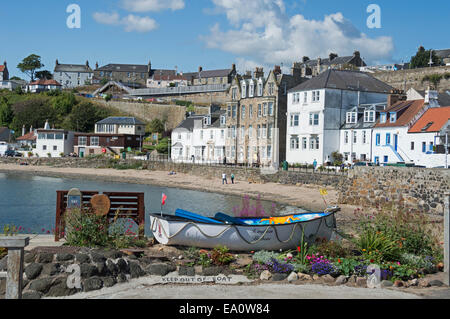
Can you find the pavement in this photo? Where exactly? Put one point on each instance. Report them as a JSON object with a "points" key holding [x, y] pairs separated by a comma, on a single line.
{"points": [[42, 241], [151, 288]]}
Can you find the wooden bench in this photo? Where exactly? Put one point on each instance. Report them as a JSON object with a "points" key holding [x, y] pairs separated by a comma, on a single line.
{"points": [[129, 205]]}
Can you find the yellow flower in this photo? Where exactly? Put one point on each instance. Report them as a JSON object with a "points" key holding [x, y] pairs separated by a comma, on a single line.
{"points": [[364, 250]]}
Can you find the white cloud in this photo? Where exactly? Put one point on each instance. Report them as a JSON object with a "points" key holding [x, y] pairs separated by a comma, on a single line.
{"points": [[263, 33], [130, 22], [152, 5]]}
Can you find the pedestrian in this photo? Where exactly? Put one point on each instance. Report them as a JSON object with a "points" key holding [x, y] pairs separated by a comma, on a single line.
{"points": [[232, 178], [224, 179], [315, 164]]}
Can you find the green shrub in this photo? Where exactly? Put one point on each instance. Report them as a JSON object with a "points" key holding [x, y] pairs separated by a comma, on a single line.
{"points": [[376, 246], [220, 256], [86, 229], [331, 249], [346, 266], [263, 256]]}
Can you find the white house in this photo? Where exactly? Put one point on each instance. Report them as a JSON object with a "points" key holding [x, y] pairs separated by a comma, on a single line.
{"points": [[53, 143], [43, 85], [391, 141], [168, 80], [200, 139], [427, 138], [317, 110], [73, 75]]}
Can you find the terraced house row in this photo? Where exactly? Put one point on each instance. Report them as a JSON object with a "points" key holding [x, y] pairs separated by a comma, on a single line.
{"points": [[268, 120]]}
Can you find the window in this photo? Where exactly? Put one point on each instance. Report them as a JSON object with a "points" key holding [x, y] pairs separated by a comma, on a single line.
{"points": [[424, 147], [383, 118], [252, 90], [316, 96], [201, 134], [305, 97], [346, 137], [393, 117], [269, 151], [94, 141], [242, 132], [250, 111], [55, 148], [222, 134], [82, 140], [211, 135], [351, 117], [50, 136], [229, 111], [264, 109], [355, 137], [378, 140], [386, 159], [364, 137], [258, 131], [269, 130], [295, 120], [244, 90], [243, 112], [234, 110], [59, 136], [44, 147], [304, 143], [412, 146], [223, 120], [431, 147], [259, 110], [314, 143], [295, 143], [270, 108], [264, 130], [250, 131], [234, 94], [314, 119], [388, 139], [260, 89], [271, 88], [369, 116], [233, 131]]}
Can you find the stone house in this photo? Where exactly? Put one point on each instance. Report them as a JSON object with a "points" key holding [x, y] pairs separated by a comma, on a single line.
{"points": [[73, 75], [310, 68], [444, 55], [256, 118], [132, 75], [210, 77], [318, 109]]}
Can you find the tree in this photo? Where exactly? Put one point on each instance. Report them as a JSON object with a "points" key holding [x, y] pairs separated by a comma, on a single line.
{"points": [[16, 78], [64, 103], [30, 64], [156, 126], [84, 116], [44, 75], [33, 112], [422, 59], [6, 112]]}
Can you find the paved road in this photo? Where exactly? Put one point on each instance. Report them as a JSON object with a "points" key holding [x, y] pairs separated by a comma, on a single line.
{"points": [[144, 288]]}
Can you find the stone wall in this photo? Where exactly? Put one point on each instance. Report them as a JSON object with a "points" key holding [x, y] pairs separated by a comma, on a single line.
{"points": [[414, 78], [175, 114], [414, 189]]}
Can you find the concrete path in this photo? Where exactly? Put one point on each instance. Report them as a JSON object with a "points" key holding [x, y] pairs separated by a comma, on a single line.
{"points": [[42, 241], [145, 288]]}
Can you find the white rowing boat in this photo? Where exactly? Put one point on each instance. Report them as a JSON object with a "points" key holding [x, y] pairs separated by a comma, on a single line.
{"points": [[248, 234]]}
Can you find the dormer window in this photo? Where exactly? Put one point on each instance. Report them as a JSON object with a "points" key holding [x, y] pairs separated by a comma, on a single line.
{"points": [[223, 120], [260, 88], [393, 117], [251, 89], [244, 90], [383, 118], [207, 121], [352, 117], [369, 116]]}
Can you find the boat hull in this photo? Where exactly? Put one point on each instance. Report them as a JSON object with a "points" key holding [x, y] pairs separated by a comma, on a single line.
{"points": [[238, 237]]}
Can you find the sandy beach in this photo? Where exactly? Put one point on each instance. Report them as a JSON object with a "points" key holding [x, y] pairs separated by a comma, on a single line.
{"points": [[307, 197]]}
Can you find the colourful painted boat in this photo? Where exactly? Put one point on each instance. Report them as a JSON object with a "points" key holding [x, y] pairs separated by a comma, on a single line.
{"points": [[243, 234]]}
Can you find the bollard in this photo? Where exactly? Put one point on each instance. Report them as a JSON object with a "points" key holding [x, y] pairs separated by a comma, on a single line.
{"points": [[14, 276], [447, 240]]}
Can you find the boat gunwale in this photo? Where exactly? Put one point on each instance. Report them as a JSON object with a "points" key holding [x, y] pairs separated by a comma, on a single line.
{"points": [[173, 218]]}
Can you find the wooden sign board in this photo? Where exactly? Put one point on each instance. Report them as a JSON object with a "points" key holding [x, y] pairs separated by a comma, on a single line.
{"points": [[74, 198], [101, 204]]}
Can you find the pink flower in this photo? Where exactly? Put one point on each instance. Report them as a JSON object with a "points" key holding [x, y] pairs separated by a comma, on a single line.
{"points": [[398, 263]]}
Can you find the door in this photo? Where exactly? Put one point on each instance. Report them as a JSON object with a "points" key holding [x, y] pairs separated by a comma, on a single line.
{"points": [[396, 142]]}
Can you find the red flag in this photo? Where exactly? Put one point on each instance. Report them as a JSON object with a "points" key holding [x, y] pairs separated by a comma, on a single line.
{"points": [[164, 198]]}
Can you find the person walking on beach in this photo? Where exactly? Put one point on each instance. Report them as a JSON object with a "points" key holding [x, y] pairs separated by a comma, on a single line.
{"points": [[224, 179], [315, 164], [232, 178]]}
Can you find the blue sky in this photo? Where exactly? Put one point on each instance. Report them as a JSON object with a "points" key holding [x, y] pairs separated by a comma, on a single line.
{"points": [[217, 33]]}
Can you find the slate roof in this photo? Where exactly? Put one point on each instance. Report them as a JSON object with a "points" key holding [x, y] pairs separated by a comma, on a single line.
{"points": [[138, 68], [344, 80], [4, 134], [208, 74], [432, 121], [188, 123], [442, 53], [73, 68], [443, 98], [121, 121], [406, 111]]}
